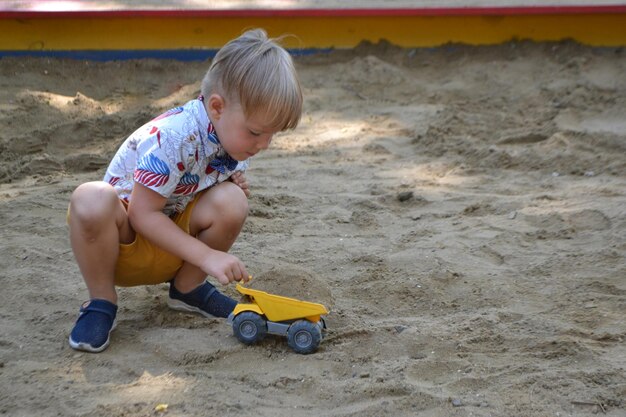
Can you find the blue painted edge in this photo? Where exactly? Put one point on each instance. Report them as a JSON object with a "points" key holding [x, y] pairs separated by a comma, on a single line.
{"points": [[121, 55]]}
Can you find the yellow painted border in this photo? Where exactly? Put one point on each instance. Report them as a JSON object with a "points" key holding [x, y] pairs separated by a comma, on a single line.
{"points": [[162, 33]]}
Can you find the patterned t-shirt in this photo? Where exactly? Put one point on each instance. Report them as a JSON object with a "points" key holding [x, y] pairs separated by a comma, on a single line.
{"points": [[176, 154]]}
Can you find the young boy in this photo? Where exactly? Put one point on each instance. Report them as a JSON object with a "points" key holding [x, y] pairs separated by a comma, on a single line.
{"points": [[165, 211]]}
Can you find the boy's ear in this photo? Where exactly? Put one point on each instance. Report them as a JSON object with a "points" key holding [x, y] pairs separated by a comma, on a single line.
{"points": [[215, 106]]}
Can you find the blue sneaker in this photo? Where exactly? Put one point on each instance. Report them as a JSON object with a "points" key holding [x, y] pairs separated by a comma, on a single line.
{"points": [[95, 322], [205, 299]]}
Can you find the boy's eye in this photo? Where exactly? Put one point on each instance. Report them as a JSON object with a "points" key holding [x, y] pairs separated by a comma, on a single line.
{"points": [[253, 133]]}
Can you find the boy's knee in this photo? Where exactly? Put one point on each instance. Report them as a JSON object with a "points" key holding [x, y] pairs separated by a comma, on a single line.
{"points": [[92, 201], [231, 201], [228, 200]]}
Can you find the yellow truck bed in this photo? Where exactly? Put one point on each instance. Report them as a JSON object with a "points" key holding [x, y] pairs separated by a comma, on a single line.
{"points": [[278, 308]]}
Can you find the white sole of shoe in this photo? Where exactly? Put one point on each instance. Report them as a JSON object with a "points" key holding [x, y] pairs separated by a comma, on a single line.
{"points": [[85, 347]]}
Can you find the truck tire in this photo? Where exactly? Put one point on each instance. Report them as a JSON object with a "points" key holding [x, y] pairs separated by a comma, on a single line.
{"points": [[249, 327], [304, 337]]}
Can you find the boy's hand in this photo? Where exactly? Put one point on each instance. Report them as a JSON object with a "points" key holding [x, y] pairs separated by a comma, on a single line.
{"points": [[240, 180], [225, 267]]}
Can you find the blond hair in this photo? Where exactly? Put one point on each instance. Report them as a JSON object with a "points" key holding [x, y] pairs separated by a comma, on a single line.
{"points": [[258, 73]]}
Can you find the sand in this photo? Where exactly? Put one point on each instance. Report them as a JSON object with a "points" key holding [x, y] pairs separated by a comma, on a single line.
{"points": [[461, 211]]}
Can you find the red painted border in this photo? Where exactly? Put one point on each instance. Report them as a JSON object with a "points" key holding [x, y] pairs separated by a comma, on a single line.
{"points": [[223, 13]]}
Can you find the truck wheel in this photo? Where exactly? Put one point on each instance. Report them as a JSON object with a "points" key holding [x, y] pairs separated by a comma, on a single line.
{"points": [[304, 336], [249, 327]]}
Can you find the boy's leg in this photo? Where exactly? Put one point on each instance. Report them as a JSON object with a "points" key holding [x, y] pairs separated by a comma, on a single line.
{"points": [[98, 223], [217, 219]]}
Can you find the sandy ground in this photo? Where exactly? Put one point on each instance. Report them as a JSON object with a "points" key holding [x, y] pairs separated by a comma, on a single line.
{"points": [[461, 210]]}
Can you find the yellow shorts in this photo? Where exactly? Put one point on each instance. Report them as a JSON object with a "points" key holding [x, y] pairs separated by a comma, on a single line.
{"points": [[142, 263]]}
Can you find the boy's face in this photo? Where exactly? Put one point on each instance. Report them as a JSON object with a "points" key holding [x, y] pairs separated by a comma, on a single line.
{"points": [[242, 138]]}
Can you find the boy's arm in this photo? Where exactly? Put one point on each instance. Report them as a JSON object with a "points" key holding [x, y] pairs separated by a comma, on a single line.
{"points": [[147, 218]]}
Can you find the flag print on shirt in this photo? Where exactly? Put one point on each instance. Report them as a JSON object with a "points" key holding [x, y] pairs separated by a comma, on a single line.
{"points": [[188, 184], [151, 171]]}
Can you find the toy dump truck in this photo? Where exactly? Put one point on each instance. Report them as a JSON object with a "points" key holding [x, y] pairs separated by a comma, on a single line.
{"points": [[300, 321]]}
